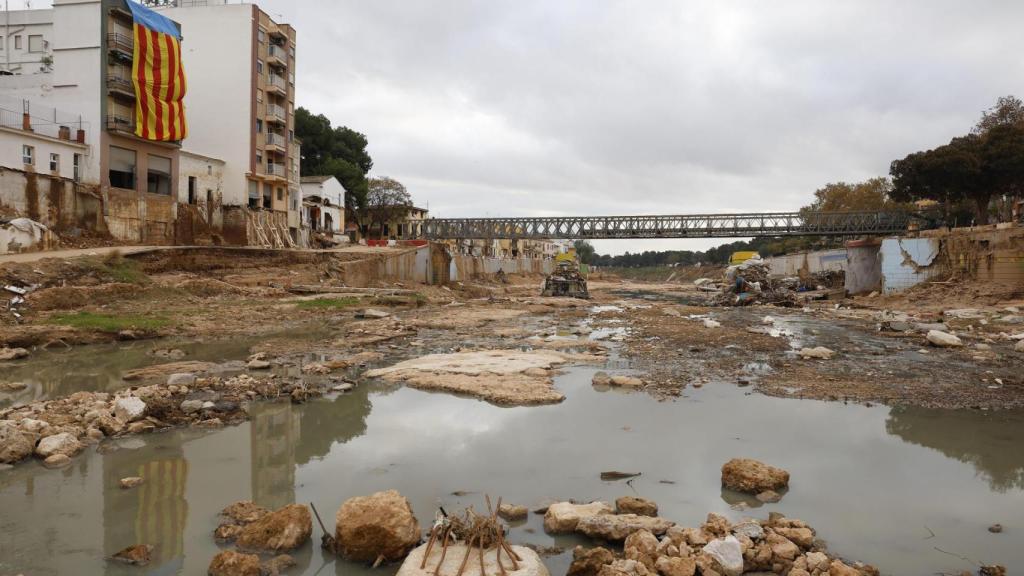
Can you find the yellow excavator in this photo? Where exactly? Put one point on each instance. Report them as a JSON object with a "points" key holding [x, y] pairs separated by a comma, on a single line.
{"points": [[568, 279]]}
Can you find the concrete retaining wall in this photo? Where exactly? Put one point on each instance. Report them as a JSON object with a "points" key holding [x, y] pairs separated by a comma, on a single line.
{"points": [[906, 262], [464, 267], [809, 262], [863, 269]]}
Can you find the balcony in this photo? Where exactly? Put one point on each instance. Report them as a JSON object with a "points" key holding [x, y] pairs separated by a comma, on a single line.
{"points": [[274, 142], [276, 84], [277, 56], [276, 113], [119, 82], [276, 170], [120, 124], [121, 45]]}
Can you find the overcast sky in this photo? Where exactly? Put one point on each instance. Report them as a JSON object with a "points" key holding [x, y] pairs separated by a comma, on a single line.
{"points": [[539, 107]]}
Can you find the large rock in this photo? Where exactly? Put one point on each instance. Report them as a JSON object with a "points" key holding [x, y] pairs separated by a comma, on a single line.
{"points": [[747, 475], [283, 529], [231, 563], [589, 561], [380, 524], [513, 512], [129, 409], [63, 443], [943, 339], [529, 562], [138, 555], [728, 553], [181, 379], [624, 567], [15, 444], [674, 566], [12, 353], [562, 517], [636, 505], [616, 527]]}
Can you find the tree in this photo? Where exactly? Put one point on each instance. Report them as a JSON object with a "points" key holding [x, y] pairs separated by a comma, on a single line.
{"points": [[870, 194], [585, 251], [1008, 111], [334, 151], [386, 200]]}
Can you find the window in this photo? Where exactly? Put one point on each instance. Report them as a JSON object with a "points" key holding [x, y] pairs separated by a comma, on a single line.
{"points": [[254, 194], [122, 168], [54, 162], [291, 135], [77, 165], [261, 35], [158, 175], [17, 42], [259, 67], [192, 189], [1, 43], [28, 155], [259, 158], [35, 43], [280, 195], [259, 96], [259, 126]]}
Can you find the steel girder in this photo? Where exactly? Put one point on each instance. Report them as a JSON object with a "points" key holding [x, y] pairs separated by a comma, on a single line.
{"points": [[684, 226]]}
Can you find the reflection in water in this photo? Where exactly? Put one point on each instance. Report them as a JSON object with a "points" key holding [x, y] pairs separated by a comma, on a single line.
{"points": [[275, 433], [991, 442], [154, 513], [325, 423]]}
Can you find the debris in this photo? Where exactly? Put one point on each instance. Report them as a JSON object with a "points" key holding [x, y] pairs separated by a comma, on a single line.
{"points": [[378, 525], [943, 339], [453, 560], [636, 505], [995, 528], [12, 386], [752, 476], [181, 379], [616, 475], [616, 527], [257, 364], [820, 352], [373, 313], [589, 561], [993, 570], [138, 555], [709, 323], [131, 482]]}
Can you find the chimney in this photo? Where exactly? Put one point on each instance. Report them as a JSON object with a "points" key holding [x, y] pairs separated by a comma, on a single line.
{"points": [[64, 133]]}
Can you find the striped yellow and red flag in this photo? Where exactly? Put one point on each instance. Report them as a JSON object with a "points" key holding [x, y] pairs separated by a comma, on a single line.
{"points": [[158, 76]]}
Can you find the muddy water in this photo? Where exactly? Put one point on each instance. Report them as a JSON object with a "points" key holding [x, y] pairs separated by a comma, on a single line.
{"points": [[891, 487]]}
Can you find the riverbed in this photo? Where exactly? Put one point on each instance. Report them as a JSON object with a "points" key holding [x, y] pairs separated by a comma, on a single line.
{"points": [[910, 490]]}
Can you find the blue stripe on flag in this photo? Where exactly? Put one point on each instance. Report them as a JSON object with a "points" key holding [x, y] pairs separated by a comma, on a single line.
{"points": [[152, 20]]}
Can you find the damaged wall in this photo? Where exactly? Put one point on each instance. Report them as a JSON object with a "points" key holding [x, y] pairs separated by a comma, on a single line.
{"points": [[808, 262], [465, 267], [906, 262], [863, 267]]}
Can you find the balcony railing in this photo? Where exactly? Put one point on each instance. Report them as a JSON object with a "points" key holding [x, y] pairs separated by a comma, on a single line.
{"points": [[275, 112], [120, 123], [117, 42], [272, 139], [119, 80], [279, 53], [275, 81], [276, 170]]}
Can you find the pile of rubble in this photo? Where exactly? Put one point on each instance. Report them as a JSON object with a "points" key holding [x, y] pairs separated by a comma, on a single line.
{"points": [[55, 430], [751, 283]]}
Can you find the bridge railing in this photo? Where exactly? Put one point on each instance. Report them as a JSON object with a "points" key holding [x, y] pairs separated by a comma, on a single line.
{"points": [[677, 226]]}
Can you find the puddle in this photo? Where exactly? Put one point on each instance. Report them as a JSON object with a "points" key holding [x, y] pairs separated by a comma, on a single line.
{"points": [[875, 482], [61, 372]]}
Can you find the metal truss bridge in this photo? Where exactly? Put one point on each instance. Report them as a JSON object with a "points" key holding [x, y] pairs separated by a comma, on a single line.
{"points": [[685, 226]]}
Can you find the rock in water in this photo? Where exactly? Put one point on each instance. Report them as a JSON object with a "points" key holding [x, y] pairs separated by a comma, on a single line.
{"points": [[129, 409], [636, 505], [57, 461], [283, 529], [258, 365], [231, 563], [381, 524], [131, 482], [63, 443], [15, 445], [817, 352], [138, 555], [729, 554], [943, 339], [674, 566], [511, 512], [278, 564], [529, 562], [616, 527], [751, 476], [563, 516], [589, 561], [12, 353], [244, 512]]}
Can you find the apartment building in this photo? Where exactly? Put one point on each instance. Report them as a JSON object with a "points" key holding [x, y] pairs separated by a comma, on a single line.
{"points": [[241, 104], [25, 42], [126, 185]]}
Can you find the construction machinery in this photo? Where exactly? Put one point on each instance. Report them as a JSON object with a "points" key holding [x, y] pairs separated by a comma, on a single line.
{"points": [[568, 279]]}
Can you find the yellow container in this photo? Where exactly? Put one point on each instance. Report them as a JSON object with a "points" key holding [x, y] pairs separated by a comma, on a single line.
{"points": [[741, 257]]}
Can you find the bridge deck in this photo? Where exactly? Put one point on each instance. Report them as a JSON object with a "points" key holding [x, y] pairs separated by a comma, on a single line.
{"points": [[683, 226]]}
